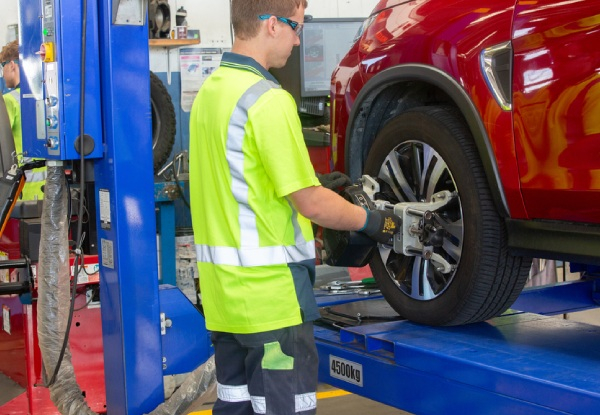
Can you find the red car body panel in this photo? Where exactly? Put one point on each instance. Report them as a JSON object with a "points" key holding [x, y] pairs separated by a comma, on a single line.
{"points": [[540, 176], [556, 86]]}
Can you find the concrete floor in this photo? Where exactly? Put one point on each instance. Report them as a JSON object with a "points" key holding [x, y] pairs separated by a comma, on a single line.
{"points": [[8, 389], [330, 401]]}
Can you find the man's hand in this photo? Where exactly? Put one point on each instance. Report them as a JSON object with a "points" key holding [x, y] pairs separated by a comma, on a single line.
{"points": [[334, 180], [382, 225]]}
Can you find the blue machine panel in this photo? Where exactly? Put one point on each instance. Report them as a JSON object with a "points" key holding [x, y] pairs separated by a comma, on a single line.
{"points": [[514, 364], [51, 70], [185, 340]]}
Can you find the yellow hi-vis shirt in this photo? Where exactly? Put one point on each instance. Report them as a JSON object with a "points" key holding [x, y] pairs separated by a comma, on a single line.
{"points": [[36, 178], [247, 153]]}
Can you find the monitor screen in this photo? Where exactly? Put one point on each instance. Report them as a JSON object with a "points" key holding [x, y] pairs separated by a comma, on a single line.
{"points": [[323, 44]]}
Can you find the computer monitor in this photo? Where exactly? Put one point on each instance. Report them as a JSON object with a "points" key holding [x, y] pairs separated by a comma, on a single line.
{"points": [[324, 43], [307, 74]]}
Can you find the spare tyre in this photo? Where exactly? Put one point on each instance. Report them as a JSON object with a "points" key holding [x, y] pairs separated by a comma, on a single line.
{"points": [[163, 122]]}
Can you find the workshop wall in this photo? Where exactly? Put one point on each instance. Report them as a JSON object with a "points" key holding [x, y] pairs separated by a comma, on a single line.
{"points": [[212, 19], [8, 16]]}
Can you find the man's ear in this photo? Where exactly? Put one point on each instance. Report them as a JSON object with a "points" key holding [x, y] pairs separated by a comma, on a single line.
{"points": [[271, 24]]}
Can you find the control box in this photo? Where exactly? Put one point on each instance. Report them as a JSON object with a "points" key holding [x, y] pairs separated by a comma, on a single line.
{"points": [[51, 39]]}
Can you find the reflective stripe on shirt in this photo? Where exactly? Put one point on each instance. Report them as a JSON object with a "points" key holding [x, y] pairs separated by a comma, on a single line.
{"points": [[255, 257], [235, 158], [250, 253], [16, 94], [32, 176]]}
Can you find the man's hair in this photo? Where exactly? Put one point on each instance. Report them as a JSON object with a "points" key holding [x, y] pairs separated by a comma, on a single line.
{"points": [[10, 52], [244, 14]]}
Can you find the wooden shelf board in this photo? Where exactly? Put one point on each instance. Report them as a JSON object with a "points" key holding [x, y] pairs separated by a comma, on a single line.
{"points": [[173, 42]]}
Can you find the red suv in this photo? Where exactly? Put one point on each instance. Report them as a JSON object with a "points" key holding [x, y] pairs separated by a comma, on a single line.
{"points": [[486, 115]]}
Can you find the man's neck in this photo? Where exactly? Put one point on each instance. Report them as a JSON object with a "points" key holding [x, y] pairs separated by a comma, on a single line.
{"points": [[250, 49]]}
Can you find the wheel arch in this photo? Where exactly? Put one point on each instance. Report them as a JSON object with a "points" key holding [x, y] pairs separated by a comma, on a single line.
{"points": [[400, 88]]}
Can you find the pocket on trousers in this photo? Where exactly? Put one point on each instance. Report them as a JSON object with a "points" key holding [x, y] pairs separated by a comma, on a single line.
{"points": [[275, 359]]}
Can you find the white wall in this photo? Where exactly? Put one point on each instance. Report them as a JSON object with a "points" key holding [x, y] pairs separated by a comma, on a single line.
{"points": [[212, 16], [340, 8], [8, 16]]}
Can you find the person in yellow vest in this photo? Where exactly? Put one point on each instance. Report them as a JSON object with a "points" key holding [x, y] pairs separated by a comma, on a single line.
{"points": [[9, 60], [253, 194]]}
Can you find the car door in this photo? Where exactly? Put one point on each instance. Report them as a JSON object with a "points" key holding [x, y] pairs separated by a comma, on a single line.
{"points": [[556, 102]]}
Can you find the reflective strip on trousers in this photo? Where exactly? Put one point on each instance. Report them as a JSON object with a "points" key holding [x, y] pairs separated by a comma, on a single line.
{"points": [[303, 402], [306, 402], [228, 393], [255, 257]]}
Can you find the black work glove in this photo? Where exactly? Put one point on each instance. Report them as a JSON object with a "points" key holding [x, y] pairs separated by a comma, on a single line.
{"points": [[381, 225], [334, 180]]}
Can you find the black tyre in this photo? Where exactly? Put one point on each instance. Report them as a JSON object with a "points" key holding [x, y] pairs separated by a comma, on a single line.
{"points": [[421, 152], [163, 122]]}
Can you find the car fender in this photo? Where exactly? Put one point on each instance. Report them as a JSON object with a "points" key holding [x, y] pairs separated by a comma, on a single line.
{"points": [[359, 139]]}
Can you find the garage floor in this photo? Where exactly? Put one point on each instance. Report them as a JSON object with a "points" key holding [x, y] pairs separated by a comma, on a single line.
{"points": [[8, 390], [337, 402], [331, 401]]}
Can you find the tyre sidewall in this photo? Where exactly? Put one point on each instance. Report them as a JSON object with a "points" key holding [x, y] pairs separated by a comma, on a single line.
{"points": [[448, 140], [162, 107]]}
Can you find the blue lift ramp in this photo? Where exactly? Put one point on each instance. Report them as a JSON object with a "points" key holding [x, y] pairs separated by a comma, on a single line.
{"points": [[514, 364]]}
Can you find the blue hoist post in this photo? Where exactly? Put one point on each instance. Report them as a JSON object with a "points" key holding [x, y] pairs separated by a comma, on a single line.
{"points": [[50, 49], [126, 225], [118, 130]]}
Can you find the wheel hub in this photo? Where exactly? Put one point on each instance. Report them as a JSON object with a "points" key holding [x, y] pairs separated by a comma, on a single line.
{"points": [[422, 228]]}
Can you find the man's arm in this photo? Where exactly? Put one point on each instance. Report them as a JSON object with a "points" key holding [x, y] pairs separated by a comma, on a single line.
{"points": [[328, 209]]}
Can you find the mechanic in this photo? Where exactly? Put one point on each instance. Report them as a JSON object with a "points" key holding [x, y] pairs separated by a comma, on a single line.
{"points": [[253, 194], [9, 60]]}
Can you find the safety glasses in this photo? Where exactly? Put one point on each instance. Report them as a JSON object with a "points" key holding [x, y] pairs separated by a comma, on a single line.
{"points": [[296, 27]]}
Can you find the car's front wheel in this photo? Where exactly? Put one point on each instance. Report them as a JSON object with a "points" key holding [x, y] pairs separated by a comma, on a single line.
{"points": [[416, 155]]}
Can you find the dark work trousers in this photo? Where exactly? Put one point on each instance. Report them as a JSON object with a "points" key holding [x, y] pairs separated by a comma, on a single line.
{"points": [[273, 372]]}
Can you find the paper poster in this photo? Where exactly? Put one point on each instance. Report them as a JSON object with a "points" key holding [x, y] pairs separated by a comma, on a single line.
{"points": [[4, 277], [6, 318], [196, 64]]}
